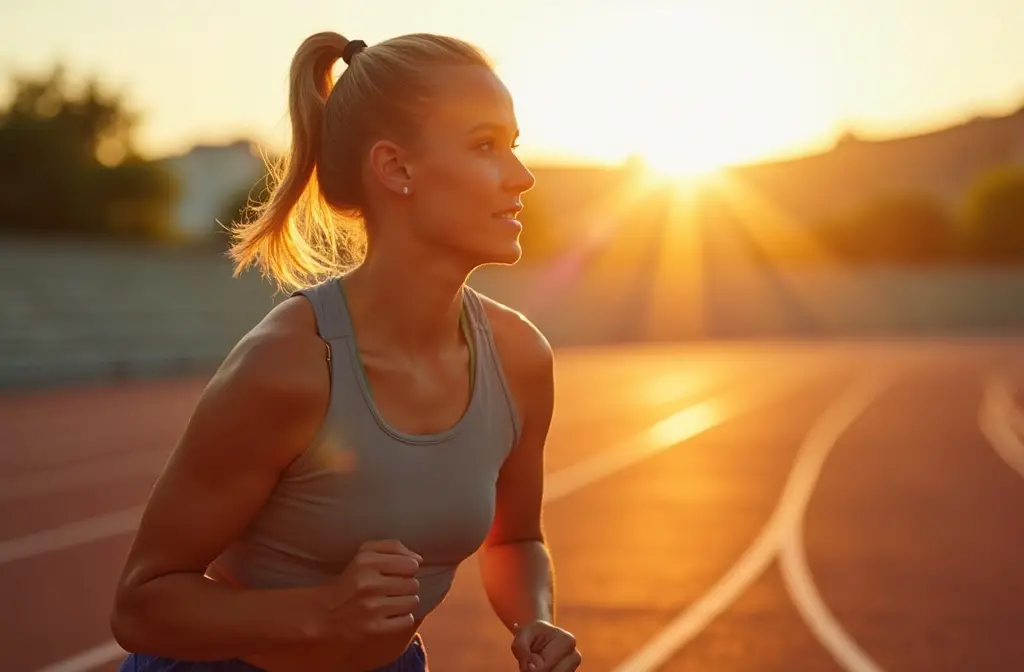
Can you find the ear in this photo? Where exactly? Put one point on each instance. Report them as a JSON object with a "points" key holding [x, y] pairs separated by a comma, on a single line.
{"points": [[389, 163]]}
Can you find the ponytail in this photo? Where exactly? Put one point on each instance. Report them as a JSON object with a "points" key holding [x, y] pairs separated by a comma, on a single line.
{"points": [[292, 237], [304, 230]]}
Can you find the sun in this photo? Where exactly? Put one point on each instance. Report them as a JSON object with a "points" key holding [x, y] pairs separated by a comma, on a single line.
{"points": [[693, 90], [665, 162]]}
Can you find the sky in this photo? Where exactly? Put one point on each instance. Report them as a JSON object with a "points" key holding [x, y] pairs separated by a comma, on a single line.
{"points": [[685, 84]]}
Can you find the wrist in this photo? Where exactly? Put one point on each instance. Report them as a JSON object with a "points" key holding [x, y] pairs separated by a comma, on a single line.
{"points": [[315, 610]]}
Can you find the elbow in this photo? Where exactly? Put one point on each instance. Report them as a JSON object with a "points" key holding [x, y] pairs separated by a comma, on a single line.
{"points": [[511, 542], [125, 623]]}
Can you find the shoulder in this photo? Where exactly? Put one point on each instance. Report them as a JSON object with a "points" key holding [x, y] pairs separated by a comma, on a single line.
{"points": [[276, 379], [522, 346], [526, 356], [282, 353]]}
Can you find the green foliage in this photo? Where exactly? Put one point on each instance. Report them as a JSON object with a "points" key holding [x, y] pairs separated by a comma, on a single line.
{"points": [[993, 216], [68, 164], [897, 228]]}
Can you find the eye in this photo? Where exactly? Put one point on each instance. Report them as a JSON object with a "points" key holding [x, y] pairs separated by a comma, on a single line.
{"points": [[486, 145]]}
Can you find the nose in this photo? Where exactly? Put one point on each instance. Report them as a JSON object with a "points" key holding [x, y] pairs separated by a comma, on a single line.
{"points": [[519, 178]]}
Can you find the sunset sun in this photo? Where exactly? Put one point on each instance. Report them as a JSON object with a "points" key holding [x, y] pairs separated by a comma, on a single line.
{"points": [[692, 91]]}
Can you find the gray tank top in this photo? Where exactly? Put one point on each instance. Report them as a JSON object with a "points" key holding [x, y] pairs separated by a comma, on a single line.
{"points": [[361, 479]]}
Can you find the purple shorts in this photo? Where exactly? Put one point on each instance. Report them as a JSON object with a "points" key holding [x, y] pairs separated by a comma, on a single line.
{"points": [[413, 659]]}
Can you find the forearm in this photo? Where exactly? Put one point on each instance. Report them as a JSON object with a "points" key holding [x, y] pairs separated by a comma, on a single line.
{"points": [[191, 617], [519, 581]]}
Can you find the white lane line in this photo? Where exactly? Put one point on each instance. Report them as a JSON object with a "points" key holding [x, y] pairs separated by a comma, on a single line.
{"points": [[796, 493], [89, 659], [998, 420], [793, 560], [667, 389], [72, 534], [58, 479], [690, 622], [668, 433], [664, 434]]}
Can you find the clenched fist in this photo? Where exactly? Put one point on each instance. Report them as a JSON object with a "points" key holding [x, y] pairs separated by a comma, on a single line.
{"points": [[542, 647], [376, 594]]}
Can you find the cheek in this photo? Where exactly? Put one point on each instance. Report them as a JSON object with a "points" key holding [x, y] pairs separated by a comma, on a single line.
{"points": [[465, 183]]}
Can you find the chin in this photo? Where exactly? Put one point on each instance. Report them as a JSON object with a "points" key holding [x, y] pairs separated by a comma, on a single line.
{"points": [[493, 251], [507, 255]]}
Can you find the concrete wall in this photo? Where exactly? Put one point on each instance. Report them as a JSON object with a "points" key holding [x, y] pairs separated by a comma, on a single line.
{"points": [[74, 312], [82, 312]]}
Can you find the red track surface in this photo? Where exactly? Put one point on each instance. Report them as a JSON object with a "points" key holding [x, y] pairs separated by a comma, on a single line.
{"points": [[914, 536]]}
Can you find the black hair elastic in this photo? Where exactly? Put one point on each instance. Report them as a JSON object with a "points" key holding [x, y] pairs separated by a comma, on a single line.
{"points": [[351, 49]]}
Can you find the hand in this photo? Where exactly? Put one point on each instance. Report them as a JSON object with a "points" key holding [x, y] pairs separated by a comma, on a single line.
{"points": [[541, 647], [375, 595]]}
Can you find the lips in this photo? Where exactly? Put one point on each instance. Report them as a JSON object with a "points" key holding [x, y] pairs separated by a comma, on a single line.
{"points": [[509, 213]]}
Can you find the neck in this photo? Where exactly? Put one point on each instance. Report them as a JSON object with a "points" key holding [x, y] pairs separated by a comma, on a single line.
{"points": [[405, 305]]}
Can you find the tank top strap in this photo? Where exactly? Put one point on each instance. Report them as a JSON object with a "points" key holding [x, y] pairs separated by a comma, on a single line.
{"points": [[332, 321], [476, 317], [484, 337]]}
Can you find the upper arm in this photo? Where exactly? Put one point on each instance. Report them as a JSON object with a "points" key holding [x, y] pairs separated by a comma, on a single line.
{"points": [[528, 362], [258, 412]]}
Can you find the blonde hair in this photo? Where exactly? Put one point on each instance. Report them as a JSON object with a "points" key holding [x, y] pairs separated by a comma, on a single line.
{"points": [[307, 228]]}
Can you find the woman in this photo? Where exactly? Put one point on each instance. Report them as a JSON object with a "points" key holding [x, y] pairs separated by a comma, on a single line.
{"points": [[382, 423]]}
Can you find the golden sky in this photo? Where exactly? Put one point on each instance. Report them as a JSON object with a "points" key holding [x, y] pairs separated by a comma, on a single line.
{"points": [[686, 84]]}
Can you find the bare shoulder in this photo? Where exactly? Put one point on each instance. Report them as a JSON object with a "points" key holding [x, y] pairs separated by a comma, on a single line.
{"points": [[521, 344], [275, 375], [283, 349], [526, 356]]}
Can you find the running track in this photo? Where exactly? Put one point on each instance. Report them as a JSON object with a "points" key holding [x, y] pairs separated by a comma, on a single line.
{"points": [[854, 506]]}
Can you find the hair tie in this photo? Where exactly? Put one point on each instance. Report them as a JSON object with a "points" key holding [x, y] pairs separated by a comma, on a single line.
{"points": [[351, 49]]}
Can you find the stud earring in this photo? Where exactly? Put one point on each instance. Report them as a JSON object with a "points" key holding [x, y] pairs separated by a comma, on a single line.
{"points": [[405, 190]]}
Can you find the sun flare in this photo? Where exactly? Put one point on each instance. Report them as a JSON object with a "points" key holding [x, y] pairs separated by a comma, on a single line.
{"points": [[668, 165], [692, 91]]}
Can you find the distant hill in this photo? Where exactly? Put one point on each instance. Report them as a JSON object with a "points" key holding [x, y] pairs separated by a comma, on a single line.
{"points": [[938, 164]]}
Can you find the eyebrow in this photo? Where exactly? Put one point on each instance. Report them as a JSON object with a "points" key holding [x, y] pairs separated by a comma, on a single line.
{"points": [[493, 127]]}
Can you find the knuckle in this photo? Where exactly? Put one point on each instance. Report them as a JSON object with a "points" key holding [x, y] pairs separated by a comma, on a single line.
{"points": [[365, 582]]}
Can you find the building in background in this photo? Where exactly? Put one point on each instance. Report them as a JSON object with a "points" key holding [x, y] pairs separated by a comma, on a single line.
{"points": [[211, 177]]}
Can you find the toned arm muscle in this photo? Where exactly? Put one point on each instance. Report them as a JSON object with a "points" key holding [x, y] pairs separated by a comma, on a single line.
{"points": [[260, 411]]}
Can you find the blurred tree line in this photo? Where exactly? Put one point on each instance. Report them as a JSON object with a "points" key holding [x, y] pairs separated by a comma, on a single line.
{"points": [[986, 227], [68, 165]]}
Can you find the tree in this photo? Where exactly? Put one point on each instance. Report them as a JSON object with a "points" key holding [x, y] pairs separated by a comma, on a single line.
{"points": [[897, 228], [993, 216], [68, 163]]}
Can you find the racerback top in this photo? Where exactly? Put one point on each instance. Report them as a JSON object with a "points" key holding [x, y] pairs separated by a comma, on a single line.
{"points": [[361, 479]]}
